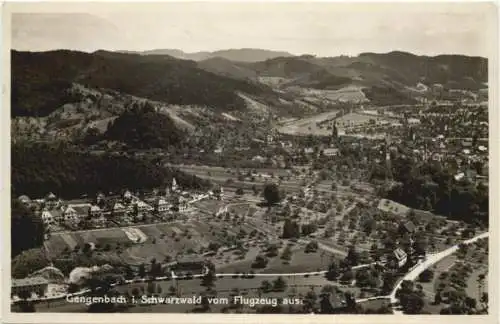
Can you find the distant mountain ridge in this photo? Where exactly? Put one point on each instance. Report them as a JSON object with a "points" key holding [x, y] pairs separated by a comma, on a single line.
{"points": [[40, 80], [394, 69], [237, 55]]}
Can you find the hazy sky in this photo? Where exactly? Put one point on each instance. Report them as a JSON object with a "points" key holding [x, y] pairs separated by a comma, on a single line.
{"points": [[324, 29]]}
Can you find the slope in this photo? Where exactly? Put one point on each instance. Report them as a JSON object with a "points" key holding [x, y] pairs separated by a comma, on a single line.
{"points": [[40, 80]]}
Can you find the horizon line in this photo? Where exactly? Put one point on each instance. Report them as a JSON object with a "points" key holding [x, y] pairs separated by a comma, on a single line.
{"points": [[139, 52]]}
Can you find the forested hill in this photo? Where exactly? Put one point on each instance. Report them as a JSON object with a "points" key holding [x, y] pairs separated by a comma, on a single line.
{"points": [[40, 80], [144, 129], [38, 169]]}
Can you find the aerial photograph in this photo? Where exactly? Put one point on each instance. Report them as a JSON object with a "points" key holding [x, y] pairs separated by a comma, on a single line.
{"points": [[273, 158]]}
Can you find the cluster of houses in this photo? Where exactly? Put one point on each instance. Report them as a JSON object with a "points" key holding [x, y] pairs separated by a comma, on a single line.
{"points": [[126, 207]]}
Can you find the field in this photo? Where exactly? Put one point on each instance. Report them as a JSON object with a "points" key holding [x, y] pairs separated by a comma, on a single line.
{"points": [[356, 119], [347, 94], [297, 287], [308, 125]]}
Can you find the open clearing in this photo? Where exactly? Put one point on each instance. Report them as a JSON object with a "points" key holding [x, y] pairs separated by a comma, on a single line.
{"points": [[308, 125], [350, 93]]}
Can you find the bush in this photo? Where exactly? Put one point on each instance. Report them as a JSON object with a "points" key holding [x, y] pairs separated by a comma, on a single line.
{"points": [[426, 276]]}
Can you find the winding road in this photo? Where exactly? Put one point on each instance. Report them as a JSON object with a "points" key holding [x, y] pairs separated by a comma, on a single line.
{"points": [[428, 262]]}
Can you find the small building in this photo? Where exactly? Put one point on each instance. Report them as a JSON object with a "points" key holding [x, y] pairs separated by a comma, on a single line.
{"points": [[95, 211], [57, 216], [143, 207], [51, 201], [407, 227], [401, 257], [308, 150], [161, 205], [47, 217], [71, 217], [118, 209], [330, 152], [127, 195], [28, 286], [25, 200]]}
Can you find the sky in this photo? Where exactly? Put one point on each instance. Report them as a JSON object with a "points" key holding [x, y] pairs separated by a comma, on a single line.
{"points": [[323, 29]]}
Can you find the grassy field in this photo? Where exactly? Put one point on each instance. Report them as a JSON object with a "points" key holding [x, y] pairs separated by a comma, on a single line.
{"points": [[296, 287], [166, 239], [356, 119], [309, 125]]}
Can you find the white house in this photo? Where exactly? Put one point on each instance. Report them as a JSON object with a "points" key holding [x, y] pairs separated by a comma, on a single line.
{"points": [[118, 209], [401, 257], [143, 207], [127, 195], [161, 205], [71, 217], [51, 201], [47, 217], [175, 187], [95, 211]]}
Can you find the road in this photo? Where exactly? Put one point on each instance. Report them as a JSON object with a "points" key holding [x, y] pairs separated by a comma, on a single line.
{"points": [[428, 262]]}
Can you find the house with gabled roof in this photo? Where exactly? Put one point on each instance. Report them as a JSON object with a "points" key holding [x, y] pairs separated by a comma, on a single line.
{"points": [[71, 217], [51, 201], [407, 227], [118, 209], [401, 257], [47, 217], [161, 205]]}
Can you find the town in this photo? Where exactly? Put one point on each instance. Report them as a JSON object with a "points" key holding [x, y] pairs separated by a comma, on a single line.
{"points": [[175, 161], [313, 222]]}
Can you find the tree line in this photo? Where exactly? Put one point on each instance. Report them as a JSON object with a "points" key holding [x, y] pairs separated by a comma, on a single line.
{"points": [[41, 168]]}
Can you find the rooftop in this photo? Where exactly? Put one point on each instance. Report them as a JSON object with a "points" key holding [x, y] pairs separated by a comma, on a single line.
{"points": [[29, 282]]}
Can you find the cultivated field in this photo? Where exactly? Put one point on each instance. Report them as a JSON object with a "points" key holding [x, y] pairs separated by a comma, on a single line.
{"points": [[309, 125], [350, 93]]}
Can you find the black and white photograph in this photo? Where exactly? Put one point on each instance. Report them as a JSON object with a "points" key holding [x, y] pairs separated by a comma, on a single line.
{"points": [[249, 158]]}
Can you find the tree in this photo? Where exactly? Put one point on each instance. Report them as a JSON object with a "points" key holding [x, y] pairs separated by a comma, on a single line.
{"points": [[311, 247], [279, 284], [151, 288], [239, 191], [24, 224], [333, 271], [271, 193], [286, 254], [209, 279], [352, 257], [266, 286], [310, 301], [470, 303], [291, 229], [205, 304], [326, 306], [260, 262], [412, 303], [426, 276], [347, 276], [350, 301], [437, 298], [484, 300], [27, 262]]}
